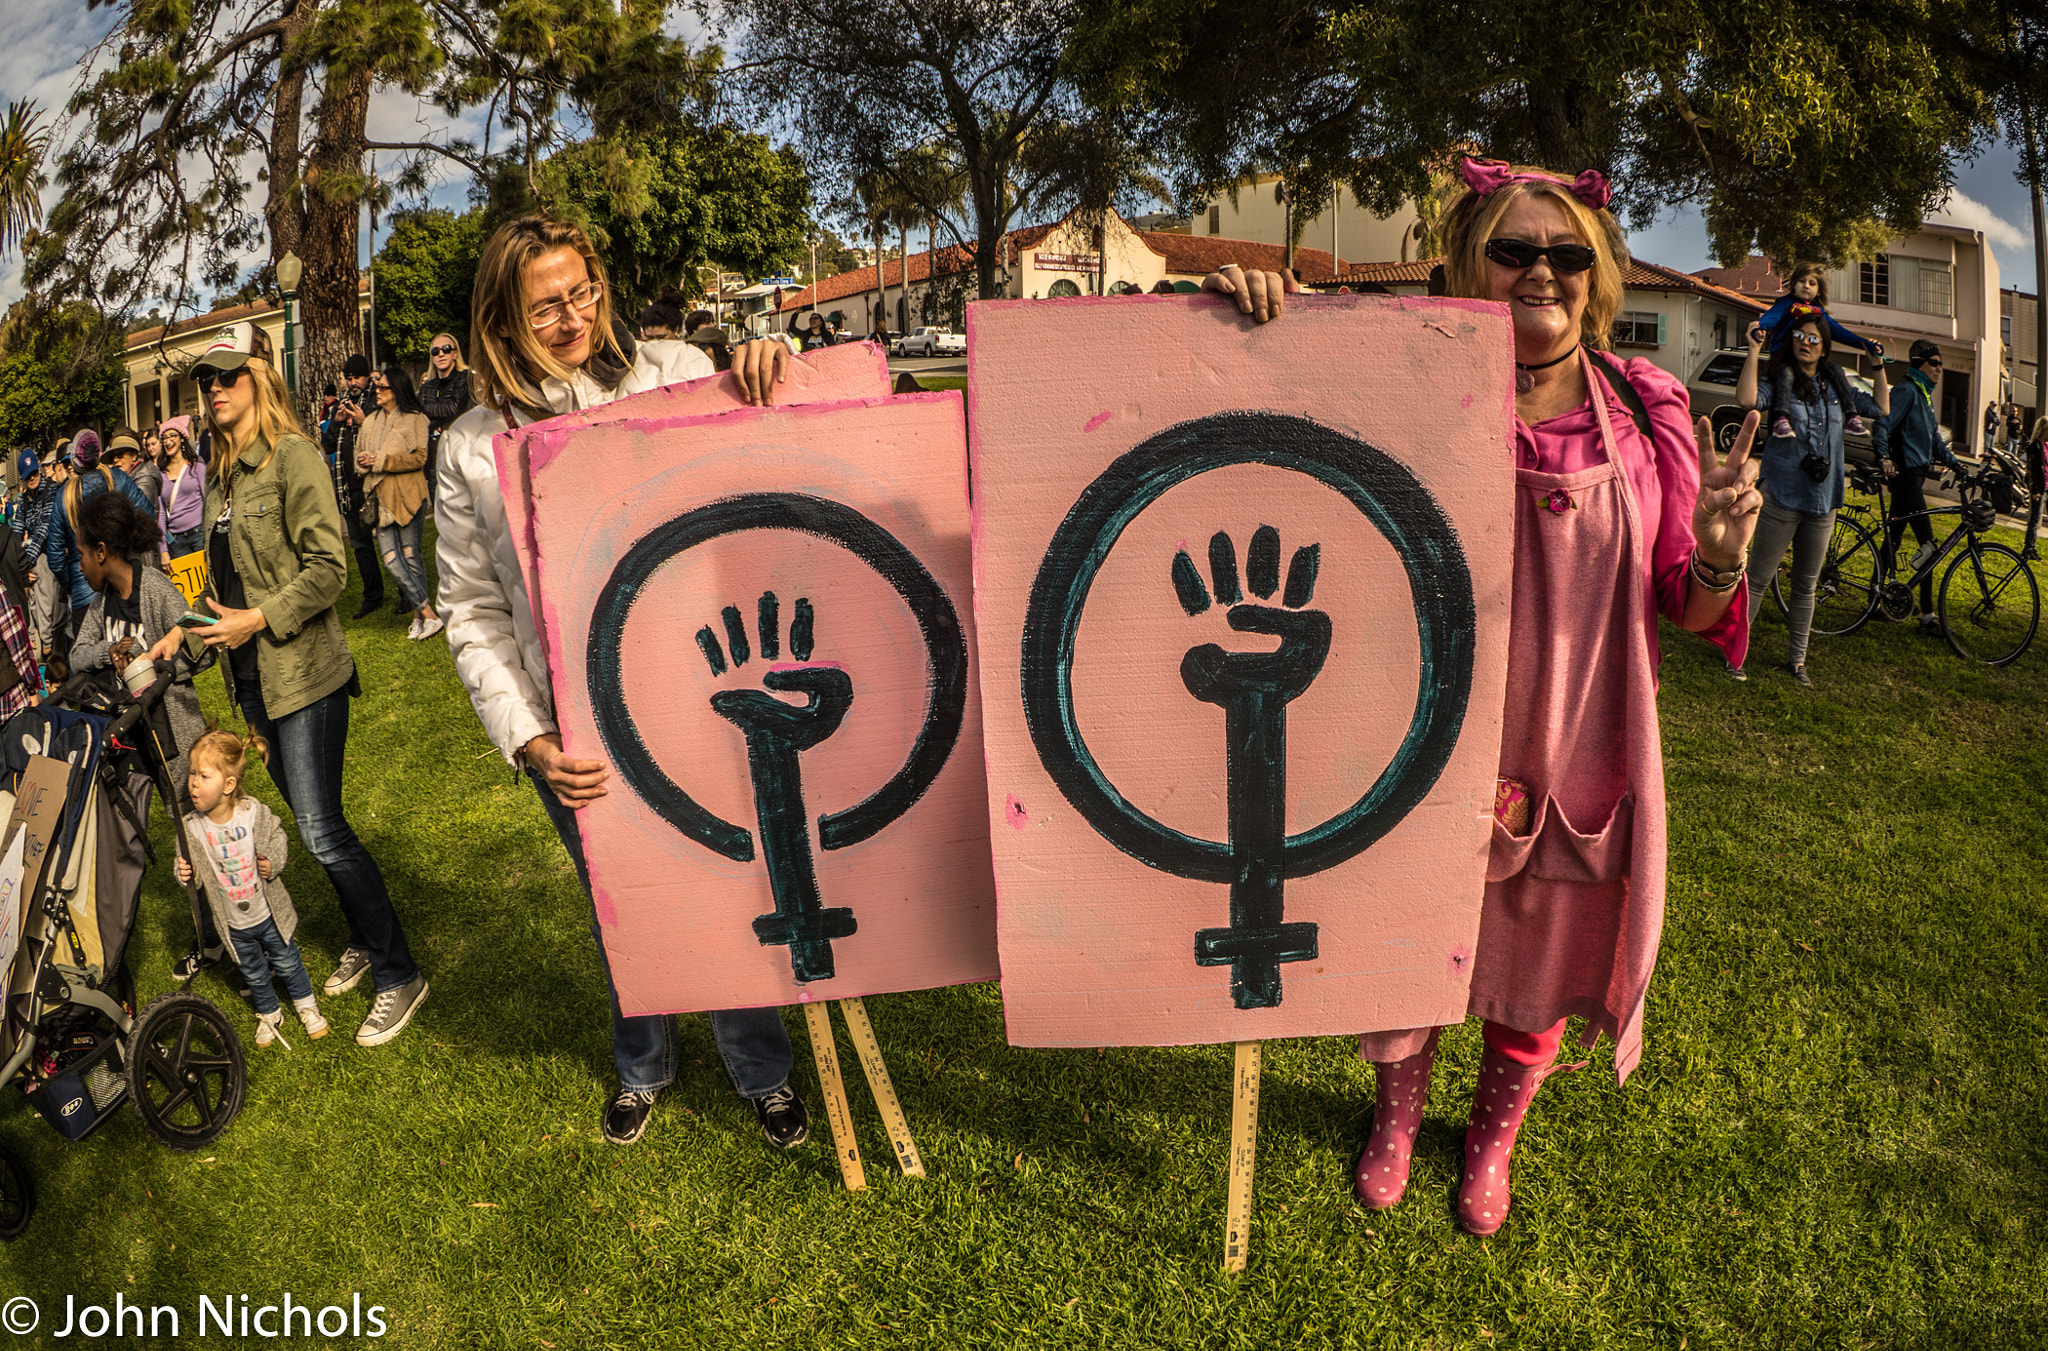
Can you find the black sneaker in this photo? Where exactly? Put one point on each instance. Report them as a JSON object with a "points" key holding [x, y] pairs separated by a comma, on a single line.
{"points": [[783, 1118], [195, 961], [625, 1119], [1732, 671], [1798, 673], [368, 607], [2031, 554]]}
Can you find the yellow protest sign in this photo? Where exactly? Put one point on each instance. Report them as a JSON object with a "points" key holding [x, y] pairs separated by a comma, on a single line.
{"points": [[189, 572]]}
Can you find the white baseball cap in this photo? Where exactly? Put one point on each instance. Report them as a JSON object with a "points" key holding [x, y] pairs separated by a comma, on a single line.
{"points": [[232, 347]]}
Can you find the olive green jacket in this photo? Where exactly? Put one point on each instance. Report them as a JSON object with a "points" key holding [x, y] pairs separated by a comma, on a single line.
{"points": [[288, 545]]}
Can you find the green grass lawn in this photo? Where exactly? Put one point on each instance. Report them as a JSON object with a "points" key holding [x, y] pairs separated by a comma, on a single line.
{"points": [[1835, 1138]]}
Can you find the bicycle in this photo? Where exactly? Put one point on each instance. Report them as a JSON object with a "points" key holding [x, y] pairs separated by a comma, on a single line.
{"points": [[1989, 605]]}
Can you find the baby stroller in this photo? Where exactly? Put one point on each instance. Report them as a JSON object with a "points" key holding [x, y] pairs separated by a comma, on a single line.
{"points": [[76, 777]]}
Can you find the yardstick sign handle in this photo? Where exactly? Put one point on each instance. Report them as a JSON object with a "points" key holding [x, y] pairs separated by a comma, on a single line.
{"points": [[818, 1017], [870, 1052], [1244, 1148]]}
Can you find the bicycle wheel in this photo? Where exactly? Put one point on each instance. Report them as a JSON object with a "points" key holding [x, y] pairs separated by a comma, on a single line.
{"points": [[1990, 604], [1846, 591]]}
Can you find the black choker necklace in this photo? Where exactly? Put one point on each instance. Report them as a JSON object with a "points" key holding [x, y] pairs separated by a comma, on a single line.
{"points": [[1525, 378]]}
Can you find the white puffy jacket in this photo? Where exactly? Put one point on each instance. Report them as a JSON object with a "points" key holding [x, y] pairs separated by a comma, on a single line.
{"points": [[492, 628]]}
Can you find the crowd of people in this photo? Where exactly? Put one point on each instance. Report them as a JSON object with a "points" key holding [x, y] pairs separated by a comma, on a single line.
{"points": [[1624, 513]]}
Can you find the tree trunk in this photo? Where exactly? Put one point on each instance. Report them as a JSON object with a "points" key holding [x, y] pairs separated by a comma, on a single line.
{"points": [[329, 304]]}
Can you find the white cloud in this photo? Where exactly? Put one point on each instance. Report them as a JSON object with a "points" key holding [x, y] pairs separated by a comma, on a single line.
{"points": [[1965, 211]]}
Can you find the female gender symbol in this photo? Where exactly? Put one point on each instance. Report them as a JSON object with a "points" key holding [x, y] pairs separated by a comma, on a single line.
{"points": [[799, 919], [1254, 862]]}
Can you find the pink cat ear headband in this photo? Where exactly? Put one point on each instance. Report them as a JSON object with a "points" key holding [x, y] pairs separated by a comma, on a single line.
{"points": [[1488, 176]]}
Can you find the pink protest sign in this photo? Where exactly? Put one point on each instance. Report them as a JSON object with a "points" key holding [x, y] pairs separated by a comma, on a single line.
{"points": [[1242, 596], [759, 621], [849, 371]]}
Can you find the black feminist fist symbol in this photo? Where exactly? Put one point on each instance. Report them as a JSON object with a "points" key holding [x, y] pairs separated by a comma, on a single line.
{"points": [[1253, 689], [776, 732]]}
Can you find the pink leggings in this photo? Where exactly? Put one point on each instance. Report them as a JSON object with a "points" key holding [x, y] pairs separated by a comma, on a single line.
{"points": [[1524, 1048]]}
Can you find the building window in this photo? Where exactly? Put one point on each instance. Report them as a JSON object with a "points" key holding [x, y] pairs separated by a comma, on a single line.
{"points": [[1216, 219], [1639, 328], [1063, 288], [1874, 282], [1720, 331], [1937, 288], [2005, 329]]}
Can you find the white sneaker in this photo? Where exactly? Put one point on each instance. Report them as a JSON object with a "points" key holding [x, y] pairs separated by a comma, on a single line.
{"points": [[269, 1028], [413, 633], [309, 1014], [432, 627]]}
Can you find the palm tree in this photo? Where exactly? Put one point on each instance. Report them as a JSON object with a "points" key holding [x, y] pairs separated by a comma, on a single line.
{"points": [[24, 140]]}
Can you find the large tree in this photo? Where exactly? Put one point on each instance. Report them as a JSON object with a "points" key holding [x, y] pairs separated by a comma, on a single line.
{"points": [[47, 388], [1802, 131], [869, 86], [425, 274]]}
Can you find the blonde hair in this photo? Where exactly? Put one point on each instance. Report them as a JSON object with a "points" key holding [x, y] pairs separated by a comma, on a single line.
{"points": [[1820, 281], [510, 359], [229, 754], [460, 364], [1472, 219], [272, 413]]}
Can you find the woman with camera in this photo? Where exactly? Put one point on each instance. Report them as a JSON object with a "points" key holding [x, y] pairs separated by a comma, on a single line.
{"points": [[1802, 473]]}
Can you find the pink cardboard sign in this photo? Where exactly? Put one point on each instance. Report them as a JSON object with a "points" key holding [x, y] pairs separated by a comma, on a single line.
{"points": [[1242, 595], [759, 621], [849, 371]]}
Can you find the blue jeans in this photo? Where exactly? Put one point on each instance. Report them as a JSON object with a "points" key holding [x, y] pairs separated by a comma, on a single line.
{"points": [[400, 545], [306, 750], [753, 1042], [187, 541], [262, 950]]}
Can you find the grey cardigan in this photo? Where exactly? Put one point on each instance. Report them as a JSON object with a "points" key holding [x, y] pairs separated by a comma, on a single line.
{"points": [[160, 603], [271, 843]]}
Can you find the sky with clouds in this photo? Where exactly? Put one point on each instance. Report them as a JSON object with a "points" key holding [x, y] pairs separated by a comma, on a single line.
{"points": [[48, 39]]}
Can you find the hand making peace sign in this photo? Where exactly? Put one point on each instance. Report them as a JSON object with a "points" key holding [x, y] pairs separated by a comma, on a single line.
{"points": [[1724, 514]]}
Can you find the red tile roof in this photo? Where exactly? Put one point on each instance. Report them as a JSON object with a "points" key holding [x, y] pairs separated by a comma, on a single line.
{"points": [[1199, 255], [951, 260], [232, 314], [1385, 274], [1756, 277]]}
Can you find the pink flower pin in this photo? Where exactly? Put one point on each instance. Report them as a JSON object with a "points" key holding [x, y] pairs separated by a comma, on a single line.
{"points": [[1560, 501]]}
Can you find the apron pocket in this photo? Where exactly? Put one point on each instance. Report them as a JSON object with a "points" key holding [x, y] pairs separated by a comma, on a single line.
{"points": [[1557, 851]]}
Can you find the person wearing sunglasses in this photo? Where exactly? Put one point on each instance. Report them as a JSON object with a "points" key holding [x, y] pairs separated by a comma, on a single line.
{"points": [[444, 397], [278, 563], [541, 326], [1909, 443], [391, 450], [1617, 522], [1802, 470]]}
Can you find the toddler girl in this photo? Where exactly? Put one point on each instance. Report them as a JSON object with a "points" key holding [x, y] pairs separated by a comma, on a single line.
{"points": [[244, 845], [1809, 289]]}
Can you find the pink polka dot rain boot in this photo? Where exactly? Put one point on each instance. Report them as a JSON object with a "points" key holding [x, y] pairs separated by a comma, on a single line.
{"points": [[1382, 1175], [1505, 1091]]}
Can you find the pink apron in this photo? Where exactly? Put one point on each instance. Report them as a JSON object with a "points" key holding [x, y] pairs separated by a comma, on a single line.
{"points": [[1574, 909]]}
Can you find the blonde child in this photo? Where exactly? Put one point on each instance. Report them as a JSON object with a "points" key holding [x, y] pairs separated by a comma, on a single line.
{"points": [[243, 843]]}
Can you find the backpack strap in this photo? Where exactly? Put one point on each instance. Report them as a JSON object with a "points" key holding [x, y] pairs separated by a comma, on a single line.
{"points": [[1618, 381]]}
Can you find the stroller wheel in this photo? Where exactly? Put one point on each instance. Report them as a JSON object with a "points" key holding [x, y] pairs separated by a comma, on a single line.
{"points": [[17, 1196], [185, 1069]]}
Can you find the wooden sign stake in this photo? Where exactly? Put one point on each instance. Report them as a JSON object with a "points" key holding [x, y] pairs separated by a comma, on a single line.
{"points": [[1244, 1148], [819, 1019], [870, 1052]]}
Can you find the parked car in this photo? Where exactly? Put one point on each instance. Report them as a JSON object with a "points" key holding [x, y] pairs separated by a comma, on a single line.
{"points": [[931, 342]]}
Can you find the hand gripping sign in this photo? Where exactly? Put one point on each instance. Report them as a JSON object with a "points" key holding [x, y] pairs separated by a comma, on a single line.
{"points": [[758, 620], [1243, 608]]}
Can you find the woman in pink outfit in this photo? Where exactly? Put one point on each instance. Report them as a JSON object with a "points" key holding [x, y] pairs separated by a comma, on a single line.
{"points": [[1614, 525]]}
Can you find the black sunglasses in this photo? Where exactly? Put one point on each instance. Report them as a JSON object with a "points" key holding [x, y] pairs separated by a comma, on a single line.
{"points": [[440, 351], [1520, 253], [208, 376]]}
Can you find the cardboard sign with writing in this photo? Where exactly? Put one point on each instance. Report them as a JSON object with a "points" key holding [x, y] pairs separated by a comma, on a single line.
{"points": [[760, 621], [37, 816], [1242, 595]]}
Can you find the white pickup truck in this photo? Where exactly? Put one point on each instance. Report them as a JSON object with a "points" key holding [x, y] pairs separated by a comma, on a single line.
{"points": [[932, 342]]}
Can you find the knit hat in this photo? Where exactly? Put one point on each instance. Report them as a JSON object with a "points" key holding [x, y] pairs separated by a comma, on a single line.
{"points": [[181, 424], [356, 366], [1922, 350], [85, 450]]}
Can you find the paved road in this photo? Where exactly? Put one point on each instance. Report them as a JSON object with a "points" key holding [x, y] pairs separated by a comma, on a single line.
{"points": [[928, 365]]}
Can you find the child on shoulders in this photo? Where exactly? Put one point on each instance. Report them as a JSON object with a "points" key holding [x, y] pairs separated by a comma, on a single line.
{"points": [[1808, 288], [244, 846]]}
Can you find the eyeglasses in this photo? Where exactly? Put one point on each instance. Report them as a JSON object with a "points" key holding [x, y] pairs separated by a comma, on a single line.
{"points": [[440, 351], [553, 312], [1810, 339], [1520, 253], [208, 376]]}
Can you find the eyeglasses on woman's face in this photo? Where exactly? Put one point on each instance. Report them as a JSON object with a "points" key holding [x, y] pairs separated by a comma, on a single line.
{"points": [[1520, 254], [1807, 339], [442, 351], [551, 312]]}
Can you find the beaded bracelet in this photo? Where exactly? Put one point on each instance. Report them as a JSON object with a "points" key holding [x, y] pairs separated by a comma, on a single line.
{"points": [[1714, 580]]}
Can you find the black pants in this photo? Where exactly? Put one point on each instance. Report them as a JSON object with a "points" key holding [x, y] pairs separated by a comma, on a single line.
{"points": [[362, 542], [1907, 498], [2037, 485]]}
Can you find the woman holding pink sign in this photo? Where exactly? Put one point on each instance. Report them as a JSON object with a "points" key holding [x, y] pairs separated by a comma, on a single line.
{"points": [[1623, 512], [544, 342]]}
